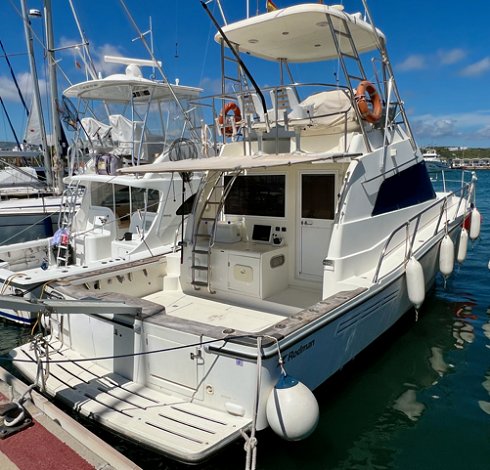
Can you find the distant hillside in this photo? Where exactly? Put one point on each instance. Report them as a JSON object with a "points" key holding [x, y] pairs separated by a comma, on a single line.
{"points": [[471, 153]]}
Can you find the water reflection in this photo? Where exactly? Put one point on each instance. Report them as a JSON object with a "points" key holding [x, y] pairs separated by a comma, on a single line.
{"points": [[463, 330], [407, 403], [485, 405], [437, 361]]}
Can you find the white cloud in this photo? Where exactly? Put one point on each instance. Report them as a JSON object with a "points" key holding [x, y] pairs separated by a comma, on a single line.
{"points": [[478, 68], [441, 58], [453, 128], [211, 86], [9, 91], [448, 57], [104, 67], [434, 128], [97, 53], [412, 62]]}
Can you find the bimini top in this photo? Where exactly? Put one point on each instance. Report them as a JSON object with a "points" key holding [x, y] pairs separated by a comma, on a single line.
{"points": [[300, 33], [235, 163], [123, 87]]}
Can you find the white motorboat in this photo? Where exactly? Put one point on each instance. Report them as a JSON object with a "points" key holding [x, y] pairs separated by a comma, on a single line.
{"points": [[122, 219], [434, 162], [312, 233]]}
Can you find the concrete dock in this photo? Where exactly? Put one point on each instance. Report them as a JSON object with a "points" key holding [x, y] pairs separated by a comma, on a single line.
{"points": [[53, 440]]}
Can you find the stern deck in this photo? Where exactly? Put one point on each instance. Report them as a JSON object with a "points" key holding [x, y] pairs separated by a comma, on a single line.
{"points": [[168, 424]]}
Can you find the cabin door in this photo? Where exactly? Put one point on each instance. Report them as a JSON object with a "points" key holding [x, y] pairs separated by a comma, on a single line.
{"points": [[316, 214]]}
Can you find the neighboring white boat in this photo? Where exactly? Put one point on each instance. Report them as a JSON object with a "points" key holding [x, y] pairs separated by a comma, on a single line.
{"points": [[29, 198], [314, 230], [122, 219], [434, 162]]}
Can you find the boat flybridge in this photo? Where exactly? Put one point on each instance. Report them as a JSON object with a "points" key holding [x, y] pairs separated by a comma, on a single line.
{"points": [[121, 120], [314, 230]]}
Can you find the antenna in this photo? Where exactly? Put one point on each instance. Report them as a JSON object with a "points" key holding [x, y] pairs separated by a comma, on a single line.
{"points": [[150, 33], [160, 69]]}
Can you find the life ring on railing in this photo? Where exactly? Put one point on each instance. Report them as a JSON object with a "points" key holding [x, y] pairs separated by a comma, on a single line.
{"points": [[228, 130], [367, 114]]}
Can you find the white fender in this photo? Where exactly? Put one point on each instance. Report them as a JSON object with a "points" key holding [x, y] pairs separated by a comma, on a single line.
{"points": [[446, 256], [292, 410], [462, 245], [475, 224], [415, 282]]}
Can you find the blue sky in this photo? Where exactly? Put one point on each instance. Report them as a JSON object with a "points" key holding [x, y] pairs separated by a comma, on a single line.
{"points": [[440, 53]]}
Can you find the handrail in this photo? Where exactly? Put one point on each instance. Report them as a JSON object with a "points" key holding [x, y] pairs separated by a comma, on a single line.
{"points": [[251, 128], [418, 217]]}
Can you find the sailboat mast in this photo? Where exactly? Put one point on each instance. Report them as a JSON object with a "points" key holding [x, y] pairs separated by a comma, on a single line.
{"points": [[53, 83], [37, 94]]}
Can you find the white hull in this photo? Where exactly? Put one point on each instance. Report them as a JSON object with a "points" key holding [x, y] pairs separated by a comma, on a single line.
{"points": [[296, 253], [216, 391]]}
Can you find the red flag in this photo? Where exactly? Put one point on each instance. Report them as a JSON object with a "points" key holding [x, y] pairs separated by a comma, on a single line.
{"points": [[270, 5]]}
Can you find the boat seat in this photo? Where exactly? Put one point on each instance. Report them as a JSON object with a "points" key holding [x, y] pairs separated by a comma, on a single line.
{"points": [[285, 103], [126, 134], [99, 133], [251, 105]]}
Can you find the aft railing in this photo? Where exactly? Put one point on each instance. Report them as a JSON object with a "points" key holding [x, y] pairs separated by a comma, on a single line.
{"points": [[409, 240], [240, 117]]}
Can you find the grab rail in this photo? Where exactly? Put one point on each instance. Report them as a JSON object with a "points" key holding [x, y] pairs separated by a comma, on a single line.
{"points": [[417, 218]]}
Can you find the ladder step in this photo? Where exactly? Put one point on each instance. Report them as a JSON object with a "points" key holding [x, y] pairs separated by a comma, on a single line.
{"points": [[230, 59], [200, 268], [199, 283], [350, 56], [231, 79], [200, 252], [203, 235], [208, 219], [356, 78], [341, 33]]}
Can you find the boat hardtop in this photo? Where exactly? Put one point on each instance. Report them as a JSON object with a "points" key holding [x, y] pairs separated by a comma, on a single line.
{"points": [[123, 88], [300, 33]]}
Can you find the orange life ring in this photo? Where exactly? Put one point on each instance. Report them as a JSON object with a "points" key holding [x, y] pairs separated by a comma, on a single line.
{"points": [[228, 130], [367, 114]]}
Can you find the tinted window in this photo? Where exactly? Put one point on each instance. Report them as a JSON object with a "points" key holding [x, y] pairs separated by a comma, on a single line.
{"points": [[261, 195], [318, 196], [407, 188]]}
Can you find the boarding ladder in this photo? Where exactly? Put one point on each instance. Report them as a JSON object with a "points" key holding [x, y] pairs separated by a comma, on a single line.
{"points": [[233, 78], [353, 69], [349, 60], [68, 208], [211, 203]]}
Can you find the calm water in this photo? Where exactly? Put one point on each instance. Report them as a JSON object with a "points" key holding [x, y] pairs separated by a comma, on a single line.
{"points": [[418, 399]]}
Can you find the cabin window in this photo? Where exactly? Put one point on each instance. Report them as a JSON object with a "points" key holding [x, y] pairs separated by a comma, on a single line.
{"points": [[124, 200], [259, 195], [318, 196], [407, 188]]}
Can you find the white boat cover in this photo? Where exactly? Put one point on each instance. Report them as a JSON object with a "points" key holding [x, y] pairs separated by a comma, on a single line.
{"points": [[300, 33], [122, 88], [241, 162]]}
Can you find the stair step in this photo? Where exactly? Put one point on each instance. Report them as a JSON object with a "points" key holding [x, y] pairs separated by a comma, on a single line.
{"points": [[200, 268], [199, 284]]}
